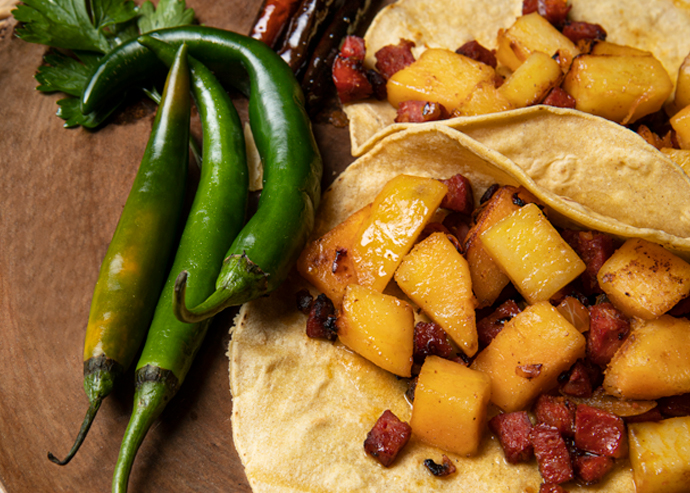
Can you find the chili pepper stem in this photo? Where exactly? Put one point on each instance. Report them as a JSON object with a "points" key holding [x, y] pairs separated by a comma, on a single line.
{"points": [[243, 281], [86, 424]]}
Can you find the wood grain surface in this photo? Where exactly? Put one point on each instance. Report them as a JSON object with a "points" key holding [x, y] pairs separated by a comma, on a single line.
{"points": [[61, 194]]}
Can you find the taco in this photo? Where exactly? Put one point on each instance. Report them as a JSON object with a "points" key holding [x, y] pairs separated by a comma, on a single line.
{"points": [[302, 407], [661, 28]]}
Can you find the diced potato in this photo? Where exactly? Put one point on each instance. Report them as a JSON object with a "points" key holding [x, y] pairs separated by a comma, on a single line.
{"points": [[618, 87], [449, 408], [484, 99], [681, 124], [660, 455], [398, 215], [679, 156], [608, 48], [378, 327], [535, 257], [643, 279], [437, 278], [327, 261], [527, 356], [653, 362], [682, 97], [532, 80], [532, 33], [440, 76], [488, 280]]}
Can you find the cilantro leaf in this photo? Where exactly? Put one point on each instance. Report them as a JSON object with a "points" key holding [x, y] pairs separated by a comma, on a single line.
{"points": [[67, 24], [70, 111], [66, 74], [169, 13]]}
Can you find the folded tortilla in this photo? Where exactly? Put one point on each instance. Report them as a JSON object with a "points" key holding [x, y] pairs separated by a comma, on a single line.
{"points": [[302, 407]]}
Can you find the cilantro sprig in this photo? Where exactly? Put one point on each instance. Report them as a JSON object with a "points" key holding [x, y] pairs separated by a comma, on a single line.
{"points": [[84, 31]]}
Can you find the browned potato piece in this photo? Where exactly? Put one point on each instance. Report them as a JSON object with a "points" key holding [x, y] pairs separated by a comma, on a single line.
{"points": [[660, 455], [527, 356], [484, 99], [621, 88], [327, 261], [488, 280], [643, 279], [436, 277], [532, 33], [532, 80], [653, 362], [440, 76], [449, 408], [681, 124], [682, 97], [608, 48], [378, 327], [535, 257], [398, 214]]}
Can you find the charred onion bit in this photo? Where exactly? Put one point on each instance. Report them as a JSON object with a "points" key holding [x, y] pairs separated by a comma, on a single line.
{"points": [[551, 488], [387, 438], [321, 322], [592, 468], [420, 112], [446, 468], [528, 371], [340, 254], [304, 300], [556, 412], [594, 249], [559, 98], [600, 432], [459, 197], [378, 84], [392, 58], [475, 51], [608, 329], [578, 30], [458, 225], [489, 327], [513, 430], [582, 379], [431, 339], [552, 454], [348, 74]]}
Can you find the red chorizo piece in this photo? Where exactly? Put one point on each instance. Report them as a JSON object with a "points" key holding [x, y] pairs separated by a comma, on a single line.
{"points": [[392, 58], [321, 322], [353, 47], [430, 339], [489, 326], [592, 468], [582, 379], [387, 438], [459, 197], [608, 329], [653, 414], [559, 98], [577, 30], [556, 412], [512, 430], [594, 249], [420, 111], [675, 406], [600, 432], [682, 308], [555, 11], [475, 51], [349, 76], [552, 454], [551, 488], [458, 225]]}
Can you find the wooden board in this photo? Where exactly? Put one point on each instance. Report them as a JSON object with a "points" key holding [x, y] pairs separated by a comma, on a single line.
{"points": [[61, 193]]}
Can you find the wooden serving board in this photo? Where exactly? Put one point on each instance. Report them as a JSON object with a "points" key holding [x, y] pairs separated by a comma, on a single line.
{"points": [[61, 194]]}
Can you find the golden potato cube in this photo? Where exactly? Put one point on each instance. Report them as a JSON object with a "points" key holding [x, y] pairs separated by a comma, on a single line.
{"points": [[488, 280], [398, 215], [621, 88], [484, 99], [653, 362], [608, 48], [532, 33], [643, 279], [679, 156], [535, 257], [681, 125], [440, 76], [449, 408], [660, 455], [527, 356], [682, 97], [327, 261], [532, 80], [436, 277], [378, 327]]}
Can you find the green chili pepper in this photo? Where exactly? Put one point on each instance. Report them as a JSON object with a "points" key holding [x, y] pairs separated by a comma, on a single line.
{"points": [[217, 215], [262, 255], [136, 263]]}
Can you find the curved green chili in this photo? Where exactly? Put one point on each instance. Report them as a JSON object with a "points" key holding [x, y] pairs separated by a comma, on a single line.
{"points": [[135, 265], [267, 247], [217, 215]]}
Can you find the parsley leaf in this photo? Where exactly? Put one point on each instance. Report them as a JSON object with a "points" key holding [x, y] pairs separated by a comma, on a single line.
{"points": [[66, 74], [70, 111], [169, 13]]}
